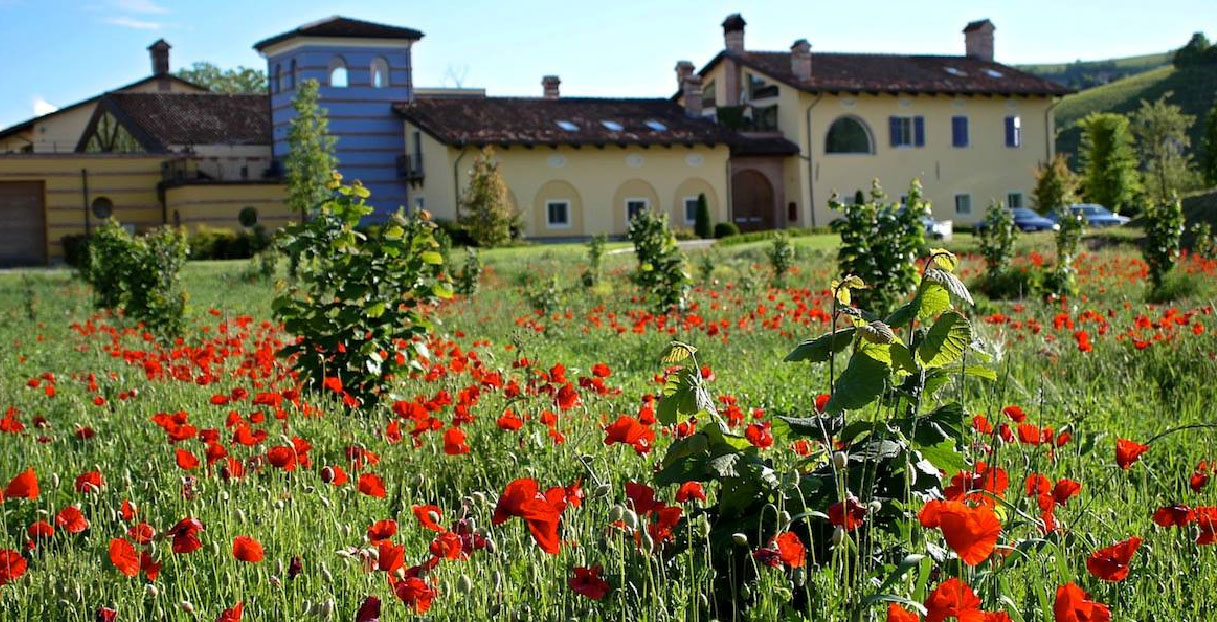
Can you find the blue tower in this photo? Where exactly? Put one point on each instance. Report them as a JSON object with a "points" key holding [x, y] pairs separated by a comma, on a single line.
{"points": [[363, 69]]}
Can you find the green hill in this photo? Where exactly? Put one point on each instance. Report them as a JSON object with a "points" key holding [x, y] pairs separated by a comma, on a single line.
{"points": [[1193, 89], [1088, 74]]}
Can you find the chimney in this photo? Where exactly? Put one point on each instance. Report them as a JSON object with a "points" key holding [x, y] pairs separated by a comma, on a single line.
{"points": [[978, 40], [690, 89], [550, 86], [159, 52], [800, 60], [733, 32], [683, 68]]}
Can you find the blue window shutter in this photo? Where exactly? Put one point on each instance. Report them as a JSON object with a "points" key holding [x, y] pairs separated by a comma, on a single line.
{"points": [[1009, 131], [919, 131], [893, 124], [959, 131]]}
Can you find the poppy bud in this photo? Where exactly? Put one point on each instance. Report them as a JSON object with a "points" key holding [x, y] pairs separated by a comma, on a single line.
{"points": [[616, 514], [800, 576], [838, 534], [603, 490], [326, 610], [295, 567], [187, 607], [274, 581], [327, 475], [326, 502], [739, 539], [783, 520], [240, 515], [433, 516], [325, 574], [420, 480], [464, 584], [54, 480], [840, 459], [498, 580], [875, 506], [491, 547], [631, 520], [790, 478], [152, 591], [480, 498]]}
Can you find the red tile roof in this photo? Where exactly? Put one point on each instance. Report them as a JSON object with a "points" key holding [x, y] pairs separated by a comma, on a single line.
{"points": [[161, 120], [343, 28], [460, 121], [896, 73]]}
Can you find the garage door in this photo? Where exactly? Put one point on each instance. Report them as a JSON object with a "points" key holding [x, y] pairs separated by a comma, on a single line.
{"points": [[22, 224]]}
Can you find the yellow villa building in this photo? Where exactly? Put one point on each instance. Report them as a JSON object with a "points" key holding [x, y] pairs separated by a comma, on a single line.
{"points": [[766, 137]]}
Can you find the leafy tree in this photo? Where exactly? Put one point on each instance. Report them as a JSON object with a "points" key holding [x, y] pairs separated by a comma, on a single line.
{"points": [[1197, 51], [1163, 233], [1208, 147], [880, 243], [487, 209], [781, 257], [311, 161], [468, 278], [595, 254], [661, 266], [703, 225], [1162, 141], [238, 80], [139, 275], [1109, 163], [997, 239], [1054, 186]]}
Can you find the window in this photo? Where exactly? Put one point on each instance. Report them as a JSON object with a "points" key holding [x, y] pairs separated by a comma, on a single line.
{"points": [[656, 125], [420, 204], [634, 207], [248, 216], [758, 89], [765, 119], [959, 131], [709, 96], [338, 73], [848, 135], [379, 73], [568, 126], [291, 76], [103, 207], [907, 131], [612, 126], [1014, 200], [557, 214], [993, 73], [963, 204], [955, 72], [1014, 132], [276, 79], [690, 210]]}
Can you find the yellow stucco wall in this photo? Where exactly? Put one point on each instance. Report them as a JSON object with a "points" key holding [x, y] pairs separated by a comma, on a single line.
{"points": [[218, 204], [597, 182]]}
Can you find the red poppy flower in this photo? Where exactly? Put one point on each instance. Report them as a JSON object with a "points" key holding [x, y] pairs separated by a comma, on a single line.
{"points": [[185, 538], [1173, 516], [1128, 452], [370, 484], [1064, 490], [567, 398], [390, 558], [971, 532], [454, 442], [628, 431], [88, 482], [759, 435], [509, 421], [1206, 519], [523, 498], [40, 529], [896, 613], [971, 486], [106, 614], [24, 485], [447, 546], [142, 533], [382, 530], [186, 460], [71, 520], [282, 457], [689, 491], [1198, 481], [790, 549], [847, 514], [427, 516], [953, 599], [369, 611], [334, 475], [12, 566], [587, 582], [414, 592], [1072, 605], [232, 615], [124, 557], [1111, 563], [600, 370], [246, 549]]}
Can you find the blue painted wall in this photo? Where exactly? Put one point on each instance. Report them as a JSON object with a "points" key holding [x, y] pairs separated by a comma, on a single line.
{"points": [[369, 134]]}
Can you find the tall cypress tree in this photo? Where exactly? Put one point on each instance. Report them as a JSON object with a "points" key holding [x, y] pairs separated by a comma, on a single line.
{"points": [[311, 161], [1208, 147], [1109, 164]]}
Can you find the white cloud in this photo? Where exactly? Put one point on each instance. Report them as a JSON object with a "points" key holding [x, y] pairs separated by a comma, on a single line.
{"points": [[42, 106], [141, 6], [138, 24]]}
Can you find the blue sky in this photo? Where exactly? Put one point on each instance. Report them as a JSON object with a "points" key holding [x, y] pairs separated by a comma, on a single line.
{"points": [[57, 52]]}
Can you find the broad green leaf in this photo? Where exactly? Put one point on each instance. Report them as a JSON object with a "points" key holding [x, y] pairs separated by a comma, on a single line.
{"points": [[944, 259], [951, 282], [861, 382], [944, 457], [902, 359], [394, 232], [432, 257], [442, 290], [375, 310], [819, 349], [676, 352], [946, 340]]}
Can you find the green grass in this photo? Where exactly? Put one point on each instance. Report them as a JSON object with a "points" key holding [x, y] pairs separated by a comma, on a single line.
{"points": [[1115, 391], [1194, 89], [1084, 74]]}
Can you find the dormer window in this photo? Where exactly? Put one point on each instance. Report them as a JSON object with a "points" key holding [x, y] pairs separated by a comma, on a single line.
{"points": [[656, 125], [338, 73], [379, 73], [568, 126], [993, 73], [612, 126], [955, 72]]}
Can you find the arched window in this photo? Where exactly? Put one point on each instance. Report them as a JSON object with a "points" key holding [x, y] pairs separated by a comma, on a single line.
{"points": [[291, 75], [379, 73], [338, 73], [275, 87], [848, 135]]}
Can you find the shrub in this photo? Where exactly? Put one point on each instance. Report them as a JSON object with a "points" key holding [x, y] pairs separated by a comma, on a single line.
{"points": [[1109, 164], [544, 295], [880, 242], [222, 243], [1163, 232], [1011, 283], [1063, 280], [1202, 243], [468, 278], [997, 239], [1176, 285], [595, 255], [702, 223], [486, 208], [781, 258], [725, 230], [138, 276], [456, 232], [661, 265], [358, 296], [75, 250]]}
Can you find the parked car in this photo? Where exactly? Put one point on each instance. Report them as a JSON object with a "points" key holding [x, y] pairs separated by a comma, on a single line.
{"points": [[1098, 216], [1026, 219], [938, 229]]}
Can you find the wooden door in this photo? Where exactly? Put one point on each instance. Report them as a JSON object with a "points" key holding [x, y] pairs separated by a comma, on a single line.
{"points": [[752, 207], [22, 224]]}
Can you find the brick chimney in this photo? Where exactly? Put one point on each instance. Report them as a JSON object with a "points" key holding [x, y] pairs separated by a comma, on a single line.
{"points": [[159, 54], [683, 68], [549, 84], [733, 32], [690, 89], [978, 40], [800, 60]]}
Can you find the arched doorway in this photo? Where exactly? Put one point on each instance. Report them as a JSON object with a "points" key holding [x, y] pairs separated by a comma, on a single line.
{"points": [[752, 206]]}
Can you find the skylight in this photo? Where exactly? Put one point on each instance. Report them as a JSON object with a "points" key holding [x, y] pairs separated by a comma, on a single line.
{"points": [[612, 125], [955, 72], [568, 126], [655, 125], [993, 72]]}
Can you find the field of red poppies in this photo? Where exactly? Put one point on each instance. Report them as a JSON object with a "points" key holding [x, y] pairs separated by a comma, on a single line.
{"points": [[600, 461]]}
